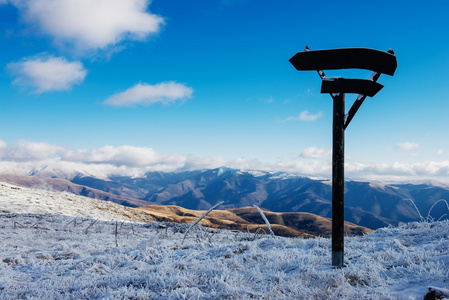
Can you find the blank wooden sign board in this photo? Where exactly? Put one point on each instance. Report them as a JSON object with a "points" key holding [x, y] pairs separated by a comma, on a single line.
{"points": [[348, 58]]}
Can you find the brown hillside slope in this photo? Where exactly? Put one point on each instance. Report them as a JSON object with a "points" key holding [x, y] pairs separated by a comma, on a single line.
{"points": [[248, 218]]}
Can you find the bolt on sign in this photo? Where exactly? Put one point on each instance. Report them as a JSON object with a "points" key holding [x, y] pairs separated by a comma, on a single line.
{"points": [[335, 59]]}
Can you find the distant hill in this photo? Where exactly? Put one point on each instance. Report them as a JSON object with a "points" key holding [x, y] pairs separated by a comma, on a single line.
{"points": [[249, 218], [368, 204]]}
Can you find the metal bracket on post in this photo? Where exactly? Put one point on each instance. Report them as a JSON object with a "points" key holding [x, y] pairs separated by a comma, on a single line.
{"points": [[360, 58]]}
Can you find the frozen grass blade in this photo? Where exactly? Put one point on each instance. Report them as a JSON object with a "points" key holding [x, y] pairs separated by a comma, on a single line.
{"points": [[430, 210], [91, 224], [265, 219], [420, 216], [200, 218], [439, 219], [428, 218], [259, 233]]}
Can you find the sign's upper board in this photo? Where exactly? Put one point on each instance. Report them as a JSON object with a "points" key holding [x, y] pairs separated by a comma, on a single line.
{"points": [[346, 58]]}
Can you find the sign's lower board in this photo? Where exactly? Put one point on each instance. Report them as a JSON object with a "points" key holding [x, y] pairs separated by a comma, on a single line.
{"points": [[353, 86]]}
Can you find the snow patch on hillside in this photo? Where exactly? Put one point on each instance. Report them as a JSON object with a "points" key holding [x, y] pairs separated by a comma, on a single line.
{"points": [[14, 199]]}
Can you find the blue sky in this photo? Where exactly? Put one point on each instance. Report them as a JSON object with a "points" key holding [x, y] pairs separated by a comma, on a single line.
{"points": [[131, 85]]}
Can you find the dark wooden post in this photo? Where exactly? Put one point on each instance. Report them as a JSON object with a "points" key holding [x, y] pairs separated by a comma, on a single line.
{"points": [[338, 182], [358, 58]]}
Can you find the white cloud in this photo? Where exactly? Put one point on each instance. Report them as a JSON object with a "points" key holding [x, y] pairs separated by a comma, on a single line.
{"points": [[406, 146], [304, 116], [146, 94], [124, 156], [90, 24], [46, 73], [440, 151], [400, 171], [28, 151], [24, 157], [314, 152]]}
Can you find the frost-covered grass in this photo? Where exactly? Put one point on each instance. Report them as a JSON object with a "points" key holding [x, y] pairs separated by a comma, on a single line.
{"points": [[53, 257], [62, 246], [14, 199]]}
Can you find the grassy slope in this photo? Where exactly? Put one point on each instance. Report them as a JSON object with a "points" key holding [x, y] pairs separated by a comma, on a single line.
{"points": [[283, 224]]}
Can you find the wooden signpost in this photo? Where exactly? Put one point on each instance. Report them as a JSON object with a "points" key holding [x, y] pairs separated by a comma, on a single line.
{"points": [[349, 58]]}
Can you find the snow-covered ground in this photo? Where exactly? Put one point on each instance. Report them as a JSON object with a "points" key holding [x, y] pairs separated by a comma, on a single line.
{"points": [[47, 255], [14, 199]]}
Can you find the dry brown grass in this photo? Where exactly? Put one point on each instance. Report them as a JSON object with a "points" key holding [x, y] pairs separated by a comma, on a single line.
{"points": [[282, 224]]}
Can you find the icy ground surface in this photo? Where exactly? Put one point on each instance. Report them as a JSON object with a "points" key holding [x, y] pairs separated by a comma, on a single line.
{"points": [[14, 199], [52, 256]]}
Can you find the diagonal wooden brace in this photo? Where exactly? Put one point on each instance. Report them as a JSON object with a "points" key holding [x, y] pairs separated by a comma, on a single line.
{"points": [[358, 102]]}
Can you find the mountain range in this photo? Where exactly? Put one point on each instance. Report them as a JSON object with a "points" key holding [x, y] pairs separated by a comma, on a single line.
{"points": [[368, 204]]}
